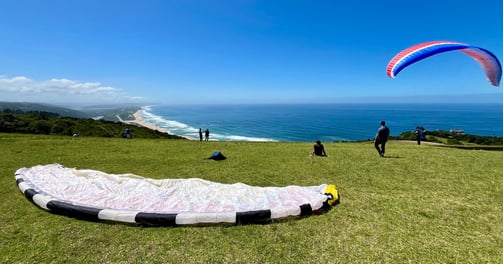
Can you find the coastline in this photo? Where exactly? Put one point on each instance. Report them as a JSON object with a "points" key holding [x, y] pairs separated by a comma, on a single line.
{"points": [[139, 121], [340, 123]]}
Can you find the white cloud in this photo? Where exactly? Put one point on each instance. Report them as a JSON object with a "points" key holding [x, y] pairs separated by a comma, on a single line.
{"points": [[57, 91]]}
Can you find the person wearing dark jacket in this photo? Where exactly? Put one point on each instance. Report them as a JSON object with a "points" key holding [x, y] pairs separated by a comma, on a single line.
{"points": [[207, 135], [319, 149], [381, 138]]}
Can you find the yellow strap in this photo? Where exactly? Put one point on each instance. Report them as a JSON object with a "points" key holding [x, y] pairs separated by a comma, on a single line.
{"points": [[332, 190]]}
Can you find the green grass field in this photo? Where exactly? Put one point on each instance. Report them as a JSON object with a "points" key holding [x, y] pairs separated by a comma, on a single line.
{"points": [[421, 204]]}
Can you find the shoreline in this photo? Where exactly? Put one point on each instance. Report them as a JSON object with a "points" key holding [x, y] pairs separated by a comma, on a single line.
{"points": [[139, 121], [134, 116]]}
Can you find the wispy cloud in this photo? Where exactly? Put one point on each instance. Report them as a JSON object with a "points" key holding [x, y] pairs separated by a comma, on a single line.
{"points": [[21, 88]]}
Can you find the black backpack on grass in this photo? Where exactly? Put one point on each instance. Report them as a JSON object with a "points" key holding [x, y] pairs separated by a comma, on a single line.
{"points": [[217, 155]]}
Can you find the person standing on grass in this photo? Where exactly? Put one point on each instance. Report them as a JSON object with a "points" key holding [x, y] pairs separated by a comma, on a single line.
{"points": [[127, 133], [207, 134], [418, 135], [381, 138], [200, 135]]}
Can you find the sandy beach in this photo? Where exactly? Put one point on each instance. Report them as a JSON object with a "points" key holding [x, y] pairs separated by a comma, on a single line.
{"points": [[138, 120]]}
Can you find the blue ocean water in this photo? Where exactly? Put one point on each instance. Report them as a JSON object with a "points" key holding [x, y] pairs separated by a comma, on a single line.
{"points": [[327, 122]]}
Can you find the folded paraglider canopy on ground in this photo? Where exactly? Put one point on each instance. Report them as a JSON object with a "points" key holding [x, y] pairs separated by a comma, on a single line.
{"points": [[95, 195]]}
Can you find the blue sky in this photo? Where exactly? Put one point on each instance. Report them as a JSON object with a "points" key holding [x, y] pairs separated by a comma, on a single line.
{"points": [[190, 52]]}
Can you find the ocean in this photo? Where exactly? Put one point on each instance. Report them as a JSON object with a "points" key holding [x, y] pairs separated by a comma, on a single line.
{"points": [[327, 122]]}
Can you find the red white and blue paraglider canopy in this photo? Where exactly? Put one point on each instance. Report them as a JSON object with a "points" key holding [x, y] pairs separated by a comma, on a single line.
{"points": [[487, 60]]}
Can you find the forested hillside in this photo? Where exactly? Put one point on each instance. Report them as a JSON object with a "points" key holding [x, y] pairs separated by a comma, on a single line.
{"points": [[111, 113], [453, 138], [53, 124]]}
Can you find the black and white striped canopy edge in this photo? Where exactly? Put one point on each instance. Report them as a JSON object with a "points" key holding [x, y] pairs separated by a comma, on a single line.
{"points": [[52, 205]]}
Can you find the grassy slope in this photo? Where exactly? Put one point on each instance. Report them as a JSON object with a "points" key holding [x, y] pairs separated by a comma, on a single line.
{"points": [[423, 204]]}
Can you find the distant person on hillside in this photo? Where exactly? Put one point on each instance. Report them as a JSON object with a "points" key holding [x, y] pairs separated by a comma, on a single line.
{"points": [[419, 134], [127, 133], [381, 138], [207, 134], [200, 134], [319, 149]]}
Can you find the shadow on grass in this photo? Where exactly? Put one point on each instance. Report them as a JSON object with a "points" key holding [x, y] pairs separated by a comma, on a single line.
{"points": [[391, 157]]}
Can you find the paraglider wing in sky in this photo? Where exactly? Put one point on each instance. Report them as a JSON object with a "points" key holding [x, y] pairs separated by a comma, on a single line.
{"points": [[488, 61]]}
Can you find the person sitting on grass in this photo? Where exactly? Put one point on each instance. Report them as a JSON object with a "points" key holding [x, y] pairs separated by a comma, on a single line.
{"points": [[319, 149]]}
